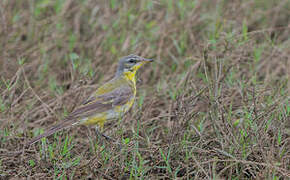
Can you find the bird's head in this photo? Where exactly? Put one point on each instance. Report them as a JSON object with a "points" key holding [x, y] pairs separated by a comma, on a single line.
{"points": [[130, 64]]}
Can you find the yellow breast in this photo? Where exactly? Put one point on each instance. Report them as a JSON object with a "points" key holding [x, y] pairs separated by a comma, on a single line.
{"points": [[130, 77], [117, 111]]}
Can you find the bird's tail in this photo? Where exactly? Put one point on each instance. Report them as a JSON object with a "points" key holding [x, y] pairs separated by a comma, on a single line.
{"points": [[49, 132]]}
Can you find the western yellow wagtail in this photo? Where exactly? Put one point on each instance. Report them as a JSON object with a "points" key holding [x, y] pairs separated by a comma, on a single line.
{"points": [[108, 102]]}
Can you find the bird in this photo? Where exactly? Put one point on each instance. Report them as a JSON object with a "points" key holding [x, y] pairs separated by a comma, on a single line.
{"points": [[109, 102]]}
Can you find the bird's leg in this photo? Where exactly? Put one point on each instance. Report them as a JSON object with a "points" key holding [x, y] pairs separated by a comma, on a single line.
{"points": [[102, 134], [108, 138]]}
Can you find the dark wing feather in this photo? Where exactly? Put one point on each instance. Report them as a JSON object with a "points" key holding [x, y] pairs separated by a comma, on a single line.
{"points": [[103, 102], [93, 105], [118, 97]]}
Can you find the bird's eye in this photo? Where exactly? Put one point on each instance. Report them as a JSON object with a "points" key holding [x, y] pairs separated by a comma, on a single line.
{"points": [[132, 61]]}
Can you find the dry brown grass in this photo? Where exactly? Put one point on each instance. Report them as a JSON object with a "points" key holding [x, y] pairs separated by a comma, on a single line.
{"points": [[214, 105]]}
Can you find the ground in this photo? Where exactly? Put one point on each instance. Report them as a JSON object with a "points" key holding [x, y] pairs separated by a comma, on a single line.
{"points": [[214, 104]]}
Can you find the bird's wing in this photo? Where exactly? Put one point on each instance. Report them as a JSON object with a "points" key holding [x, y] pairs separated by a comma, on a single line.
{"points": [[95, 105]]}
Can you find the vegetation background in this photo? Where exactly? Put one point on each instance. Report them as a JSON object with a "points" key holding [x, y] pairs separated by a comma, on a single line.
{"points": [[213, 105]]}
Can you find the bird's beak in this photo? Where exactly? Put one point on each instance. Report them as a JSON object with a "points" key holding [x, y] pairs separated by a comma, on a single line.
{"points": [[142, 61], [147, 60]]}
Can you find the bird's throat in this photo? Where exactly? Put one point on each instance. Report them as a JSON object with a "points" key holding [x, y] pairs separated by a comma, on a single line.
{"points": [[130, 76]]}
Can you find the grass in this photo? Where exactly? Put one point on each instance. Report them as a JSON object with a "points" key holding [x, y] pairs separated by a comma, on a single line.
{"points": [[213, 105]]}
